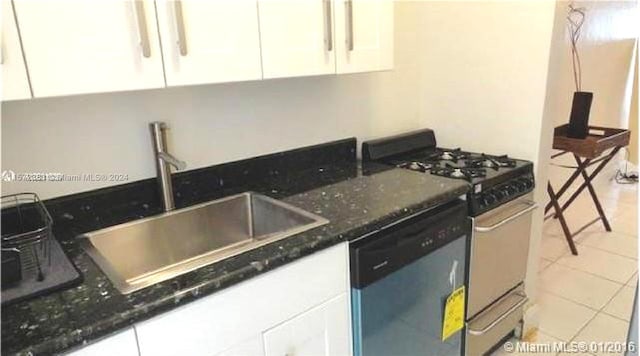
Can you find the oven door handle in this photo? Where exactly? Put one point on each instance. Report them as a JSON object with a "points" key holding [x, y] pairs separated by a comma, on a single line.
{"points": [[531, 205], [501, 318]]}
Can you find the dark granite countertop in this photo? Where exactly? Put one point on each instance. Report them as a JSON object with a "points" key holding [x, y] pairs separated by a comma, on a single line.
{"points": [[355, 200]]}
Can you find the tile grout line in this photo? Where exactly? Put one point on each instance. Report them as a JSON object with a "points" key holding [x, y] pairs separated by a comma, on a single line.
{"points": [[597, 311], [595, 316], [562, 238], [621, 287], [597, 275]]}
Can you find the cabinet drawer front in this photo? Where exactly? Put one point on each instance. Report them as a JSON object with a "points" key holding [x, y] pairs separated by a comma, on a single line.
{"points": [[215, 323], [323, 330], [121, 344]]}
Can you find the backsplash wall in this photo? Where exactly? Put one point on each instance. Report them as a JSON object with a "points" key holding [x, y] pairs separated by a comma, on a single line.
{"points": [[211, 124]]}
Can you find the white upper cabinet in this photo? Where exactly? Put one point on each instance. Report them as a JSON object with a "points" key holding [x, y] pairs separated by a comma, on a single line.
{"points": [[80, 46], [209, 41], [364, 29], [15, 84], [297, 37]]}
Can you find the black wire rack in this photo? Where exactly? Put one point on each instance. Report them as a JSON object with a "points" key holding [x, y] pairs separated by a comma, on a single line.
{"points": [[26, 229]]}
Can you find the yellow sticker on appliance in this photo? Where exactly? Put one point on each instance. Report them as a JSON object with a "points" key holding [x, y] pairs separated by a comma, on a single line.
{"points": [[453, 313]]}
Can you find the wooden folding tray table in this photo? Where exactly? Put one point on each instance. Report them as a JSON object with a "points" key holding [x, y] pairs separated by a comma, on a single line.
{"points": [[586, 152]]}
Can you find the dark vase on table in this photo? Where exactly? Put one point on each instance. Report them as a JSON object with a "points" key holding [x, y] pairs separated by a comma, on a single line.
{"points": [[579, 119]]}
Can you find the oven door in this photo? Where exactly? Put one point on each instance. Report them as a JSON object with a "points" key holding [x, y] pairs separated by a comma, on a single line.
{"points": [[499, 252]]}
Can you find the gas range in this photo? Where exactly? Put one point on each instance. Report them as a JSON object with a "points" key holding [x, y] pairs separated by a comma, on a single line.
{"points": [[494, 179], [500, 203]]}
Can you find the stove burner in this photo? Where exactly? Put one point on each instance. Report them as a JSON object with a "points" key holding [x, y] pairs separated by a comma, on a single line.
{"points": [[416, 166], [449, 155], [495, 162], [446, 156], [459, 172]]}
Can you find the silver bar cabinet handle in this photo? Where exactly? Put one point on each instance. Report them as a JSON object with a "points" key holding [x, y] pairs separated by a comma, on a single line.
{"points": [[349, 8], [501, 318], [182, 37], [328, 25], [531, 206], [142, 28]]}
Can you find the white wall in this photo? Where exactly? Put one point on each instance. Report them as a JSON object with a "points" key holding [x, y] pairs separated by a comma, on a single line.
{"points": [[553, 103], [484, 74], [107, 133]]}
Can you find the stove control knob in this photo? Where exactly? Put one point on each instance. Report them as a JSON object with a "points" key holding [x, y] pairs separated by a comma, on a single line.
{"points": [[530, 182], [489, 198], [519, 185], [500, 194], [527, 182], [511, 189]]}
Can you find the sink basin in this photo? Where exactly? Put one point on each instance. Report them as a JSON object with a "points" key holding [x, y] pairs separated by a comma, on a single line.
{"points": [[140, 253]]}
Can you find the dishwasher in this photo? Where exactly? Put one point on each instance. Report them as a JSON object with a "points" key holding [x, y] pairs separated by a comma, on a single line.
{"points": [[401, 277]]}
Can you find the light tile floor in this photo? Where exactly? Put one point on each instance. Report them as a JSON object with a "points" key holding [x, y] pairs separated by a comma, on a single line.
{"points": [[589, 297]]}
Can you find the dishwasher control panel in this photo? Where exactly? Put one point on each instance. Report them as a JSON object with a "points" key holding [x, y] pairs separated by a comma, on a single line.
{"points": [[375, 256]]}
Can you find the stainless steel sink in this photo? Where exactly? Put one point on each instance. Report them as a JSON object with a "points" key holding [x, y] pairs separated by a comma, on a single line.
{"points": [[138, 254]]}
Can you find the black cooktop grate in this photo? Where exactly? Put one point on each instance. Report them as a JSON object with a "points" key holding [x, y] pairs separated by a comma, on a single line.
{"points": [[459, 172]]}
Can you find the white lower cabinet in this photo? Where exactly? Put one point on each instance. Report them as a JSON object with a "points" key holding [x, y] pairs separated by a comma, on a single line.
{"points": [[300, 309], [258, 316], [121, 344], [251, 347], [323, 330]]}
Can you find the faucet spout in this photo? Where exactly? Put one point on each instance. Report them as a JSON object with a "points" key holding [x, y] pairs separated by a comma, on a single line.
{"points": [[176, 163], [163, 162]]}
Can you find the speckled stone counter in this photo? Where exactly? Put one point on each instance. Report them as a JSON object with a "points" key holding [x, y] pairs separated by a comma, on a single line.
{"points": [[355, 199]]}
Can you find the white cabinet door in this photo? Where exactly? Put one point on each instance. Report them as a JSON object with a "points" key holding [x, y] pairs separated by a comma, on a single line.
{"points": [[79, 46], [15, 84], [121, 344], [214, 324], [364, 35], [209, 41], [297, 38], [323, 330]]}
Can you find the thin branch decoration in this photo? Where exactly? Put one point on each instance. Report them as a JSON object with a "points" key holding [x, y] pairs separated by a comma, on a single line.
{"points": [[575, 18]]}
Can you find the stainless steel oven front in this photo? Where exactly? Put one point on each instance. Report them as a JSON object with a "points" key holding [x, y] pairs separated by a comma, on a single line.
{"points": [[497, 267]]}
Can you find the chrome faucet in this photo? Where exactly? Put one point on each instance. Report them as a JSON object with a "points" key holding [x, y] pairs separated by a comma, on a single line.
{"points": [[163, 160]]}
